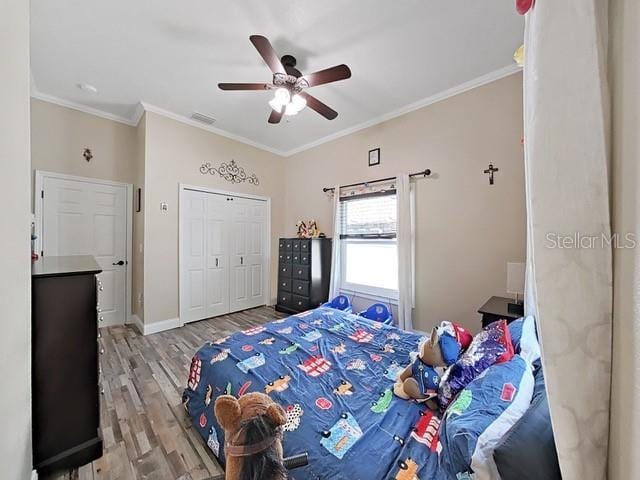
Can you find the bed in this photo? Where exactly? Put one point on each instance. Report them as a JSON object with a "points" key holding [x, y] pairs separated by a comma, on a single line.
{"points": [[333, 372]]}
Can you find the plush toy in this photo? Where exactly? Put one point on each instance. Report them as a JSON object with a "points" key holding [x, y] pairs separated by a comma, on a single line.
{"points": [[253, 436], [313, 231], [420, 379], [303, 230]]}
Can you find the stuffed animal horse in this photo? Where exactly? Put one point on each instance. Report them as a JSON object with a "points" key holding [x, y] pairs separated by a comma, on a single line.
{"points": [[253, 436]]}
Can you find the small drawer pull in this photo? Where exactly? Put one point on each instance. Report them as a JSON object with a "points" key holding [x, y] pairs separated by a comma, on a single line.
{"points": [[101, 318], [102, 391], [100, 288], [299, 287], [102, 351], [300, 303], [99, 334]]}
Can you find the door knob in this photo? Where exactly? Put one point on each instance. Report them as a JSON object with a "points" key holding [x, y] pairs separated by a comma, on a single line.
{"points": [[120, 262]]}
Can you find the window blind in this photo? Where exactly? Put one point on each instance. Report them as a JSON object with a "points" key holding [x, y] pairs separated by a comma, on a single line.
{"points": [[369, 216]]}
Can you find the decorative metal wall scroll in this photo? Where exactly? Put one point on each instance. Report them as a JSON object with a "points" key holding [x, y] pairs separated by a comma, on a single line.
{"points": [[231, 172]]}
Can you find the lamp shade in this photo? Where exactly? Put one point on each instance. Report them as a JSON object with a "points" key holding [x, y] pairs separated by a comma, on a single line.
{"points": [[515, 278]]}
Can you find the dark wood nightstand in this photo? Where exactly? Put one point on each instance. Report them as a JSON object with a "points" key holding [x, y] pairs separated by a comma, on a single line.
{"points": [[496, 308]]}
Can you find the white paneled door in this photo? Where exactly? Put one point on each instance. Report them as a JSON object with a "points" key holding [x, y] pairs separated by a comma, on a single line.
{"points": [[85, 218], [223, 256], [247, 253]]}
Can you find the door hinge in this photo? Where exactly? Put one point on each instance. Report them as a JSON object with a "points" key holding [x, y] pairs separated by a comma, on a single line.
{"points": [[41, 193], [42, 253]]}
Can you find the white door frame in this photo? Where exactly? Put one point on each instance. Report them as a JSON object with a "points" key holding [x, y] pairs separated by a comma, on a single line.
{"points": [[267, 241], [37, 202]]}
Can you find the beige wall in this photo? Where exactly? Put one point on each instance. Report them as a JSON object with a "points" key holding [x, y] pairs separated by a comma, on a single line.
{"points": [[15, 281], [61, 134], [174, 154], [466, 230], [624, 447]]}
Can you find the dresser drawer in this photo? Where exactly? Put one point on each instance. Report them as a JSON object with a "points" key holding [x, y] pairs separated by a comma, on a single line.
{"points": [[284, 284], [296, 257], [300, 272], [284, 270], [305, 258], [305, 246], [300, 287], [296, 246], [284, 299], [299, 303], [286, 245]]}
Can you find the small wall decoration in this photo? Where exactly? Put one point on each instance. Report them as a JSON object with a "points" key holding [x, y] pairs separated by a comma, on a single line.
{"points": [[491, 170], [231, 172], [138, 200], [307, 229], [87, 154], [374, 157]]}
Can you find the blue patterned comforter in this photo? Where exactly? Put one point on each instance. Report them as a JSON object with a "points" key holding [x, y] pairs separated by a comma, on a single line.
{"points": [[333, 373]]}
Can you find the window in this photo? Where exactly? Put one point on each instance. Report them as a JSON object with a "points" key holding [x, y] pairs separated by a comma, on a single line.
{"points": [[369, 249]]}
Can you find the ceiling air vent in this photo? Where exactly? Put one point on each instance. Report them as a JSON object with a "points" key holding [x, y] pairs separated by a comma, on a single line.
{"points": [[202, 118]]}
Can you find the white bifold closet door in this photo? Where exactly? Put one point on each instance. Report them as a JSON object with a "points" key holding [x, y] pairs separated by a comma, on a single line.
{"points": [[223, 254]]}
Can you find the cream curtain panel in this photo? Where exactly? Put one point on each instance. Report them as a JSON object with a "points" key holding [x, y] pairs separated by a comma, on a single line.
{"points": [[406, 248], [569, 279], [336, 281]]}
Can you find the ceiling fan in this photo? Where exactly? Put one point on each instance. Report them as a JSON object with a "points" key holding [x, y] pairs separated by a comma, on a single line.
{"points": [[289, 83]]}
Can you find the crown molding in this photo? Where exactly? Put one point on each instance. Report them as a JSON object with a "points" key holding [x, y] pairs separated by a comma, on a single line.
{"points": [[81, 108], [438, 97], [209, 128], [143, 107]]}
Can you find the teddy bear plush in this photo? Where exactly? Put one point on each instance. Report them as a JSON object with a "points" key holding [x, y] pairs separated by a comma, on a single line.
{"points": [[253, 436], [420, 380]]}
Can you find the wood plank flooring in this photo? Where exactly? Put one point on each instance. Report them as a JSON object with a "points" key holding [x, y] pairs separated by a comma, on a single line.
{"points": [[146, 432]]}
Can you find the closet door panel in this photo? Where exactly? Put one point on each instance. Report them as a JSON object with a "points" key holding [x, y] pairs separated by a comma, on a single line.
{"points": [[240, 281], [217, 291]]}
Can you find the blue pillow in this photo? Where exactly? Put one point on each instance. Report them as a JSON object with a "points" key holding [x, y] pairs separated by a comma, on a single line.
{"points": [[528, 450], [524, 338], [481, 414]]}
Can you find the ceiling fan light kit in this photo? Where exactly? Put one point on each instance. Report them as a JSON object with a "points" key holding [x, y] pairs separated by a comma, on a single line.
{"points": [[289, 83]]}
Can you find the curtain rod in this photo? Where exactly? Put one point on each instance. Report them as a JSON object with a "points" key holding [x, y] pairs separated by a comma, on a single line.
{"points": [[425, 173]]}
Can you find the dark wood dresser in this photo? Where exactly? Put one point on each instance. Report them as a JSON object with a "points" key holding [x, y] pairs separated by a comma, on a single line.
{"points": [[304, 271], [65, 377]]}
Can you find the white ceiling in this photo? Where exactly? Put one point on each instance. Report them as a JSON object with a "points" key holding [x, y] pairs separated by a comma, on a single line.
{"points": [[171, 55]]}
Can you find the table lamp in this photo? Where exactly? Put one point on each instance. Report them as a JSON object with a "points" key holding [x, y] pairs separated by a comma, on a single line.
{"points": [[515, 286]]}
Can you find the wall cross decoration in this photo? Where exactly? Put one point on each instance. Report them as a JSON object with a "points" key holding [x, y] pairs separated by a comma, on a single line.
{"points": [[231, 172], [491, 170]]}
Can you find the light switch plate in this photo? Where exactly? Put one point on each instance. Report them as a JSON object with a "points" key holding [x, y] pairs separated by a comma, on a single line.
{"points": [[164, 207]]}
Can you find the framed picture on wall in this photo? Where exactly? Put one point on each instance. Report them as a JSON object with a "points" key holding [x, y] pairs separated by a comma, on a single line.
{"points": [[374, 157]]}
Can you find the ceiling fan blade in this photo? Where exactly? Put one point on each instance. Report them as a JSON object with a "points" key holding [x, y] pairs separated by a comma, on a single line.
{"points": [[275, 117], [315, 104], [333, 74], [244, 86], [267, 53]]}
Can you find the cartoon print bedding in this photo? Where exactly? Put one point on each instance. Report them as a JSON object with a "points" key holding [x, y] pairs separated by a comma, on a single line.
{"points": [[333, 373]]}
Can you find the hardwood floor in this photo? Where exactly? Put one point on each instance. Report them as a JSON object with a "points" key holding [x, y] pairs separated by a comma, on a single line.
{"points": [[146, 432]]}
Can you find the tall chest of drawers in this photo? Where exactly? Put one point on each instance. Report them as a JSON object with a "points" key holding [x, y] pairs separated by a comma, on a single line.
{"points": [[65, 372], [304, 271]]}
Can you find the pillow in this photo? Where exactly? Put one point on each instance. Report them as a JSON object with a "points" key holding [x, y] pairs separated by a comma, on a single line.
{"points": [[525, 338], [482, 413], [528, 450], [491, 345]]}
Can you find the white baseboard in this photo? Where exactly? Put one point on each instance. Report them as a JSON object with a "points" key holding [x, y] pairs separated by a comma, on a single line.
{"points": [[34, 475], [161, 326]]}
